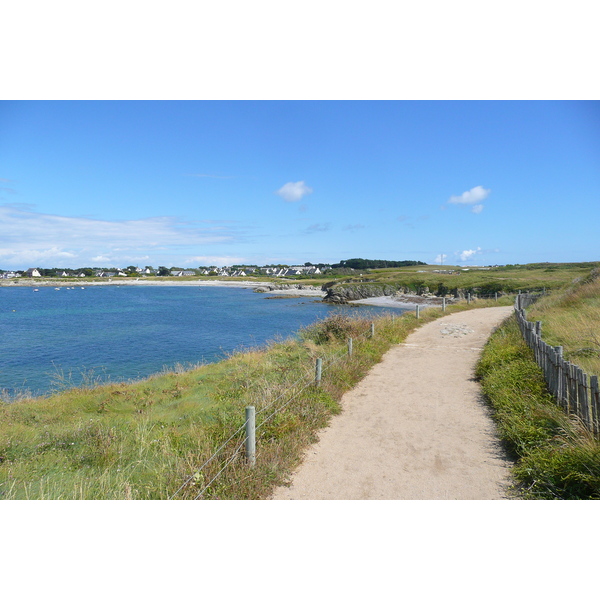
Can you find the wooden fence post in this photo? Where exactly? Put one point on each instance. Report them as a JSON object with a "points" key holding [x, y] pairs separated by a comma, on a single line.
{"points": [[572, 385], [372, 329], [554, 369], [562, 374], [558, 350], [318, 371], [584, 405], [595, 402], [417, 311], [444, 304], [251, 435], [349, 346]]}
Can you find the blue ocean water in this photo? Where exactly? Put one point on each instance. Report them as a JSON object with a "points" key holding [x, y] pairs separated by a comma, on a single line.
{"points": [[50, 337]]}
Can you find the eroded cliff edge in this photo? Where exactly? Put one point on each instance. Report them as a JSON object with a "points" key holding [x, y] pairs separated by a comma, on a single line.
{"points": [[342, 293]]}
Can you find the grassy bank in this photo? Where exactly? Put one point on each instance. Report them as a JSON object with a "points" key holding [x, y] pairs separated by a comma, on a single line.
{"points": [[484, 281], [152, 439], [556, 457], [571, 319]]}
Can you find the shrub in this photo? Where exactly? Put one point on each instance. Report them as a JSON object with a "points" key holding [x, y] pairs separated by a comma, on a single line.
{"points": [[337, 327]]}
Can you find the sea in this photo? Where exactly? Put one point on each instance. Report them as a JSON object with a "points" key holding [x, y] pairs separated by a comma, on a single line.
{"points": [[55, 338]]}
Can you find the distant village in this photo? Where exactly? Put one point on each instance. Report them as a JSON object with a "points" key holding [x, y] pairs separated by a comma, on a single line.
{"points": [[307, 270]]}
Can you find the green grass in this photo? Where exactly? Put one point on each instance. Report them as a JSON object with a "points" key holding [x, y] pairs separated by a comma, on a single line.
{"points": [[509, 279], [556, 458], [571, 318], [148, 440]]}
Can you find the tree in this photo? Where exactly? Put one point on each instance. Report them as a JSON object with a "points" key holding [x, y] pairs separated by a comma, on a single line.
{"points": [[163, 272], [363, 263]]}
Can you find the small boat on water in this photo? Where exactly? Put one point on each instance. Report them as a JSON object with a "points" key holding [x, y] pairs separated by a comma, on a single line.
{"points": [[36, 290]]}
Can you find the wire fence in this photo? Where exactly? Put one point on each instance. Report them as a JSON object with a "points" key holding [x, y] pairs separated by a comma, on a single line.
{"points": [[231, 452], [232, 449], [572, 388]]}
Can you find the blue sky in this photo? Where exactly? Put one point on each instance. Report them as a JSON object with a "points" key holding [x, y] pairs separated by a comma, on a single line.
{"points": [[188, 183]]}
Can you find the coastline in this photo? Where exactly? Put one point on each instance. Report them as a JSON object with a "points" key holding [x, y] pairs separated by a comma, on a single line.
{"points": [[405, 301], [125, 281], [129, 281]]}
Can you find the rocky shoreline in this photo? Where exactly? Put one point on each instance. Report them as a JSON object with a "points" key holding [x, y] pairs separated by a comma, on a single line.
{"points": [[361, 294], [375, 295], [290, 289]]}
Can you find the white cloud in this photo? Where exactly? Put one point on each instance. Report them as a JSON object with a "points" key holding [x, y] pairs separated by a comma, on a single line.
{"points": [[29, 238], [477, 209], [36, 256], [473, 196], [293, 192], [465, 255], [101, 260]]}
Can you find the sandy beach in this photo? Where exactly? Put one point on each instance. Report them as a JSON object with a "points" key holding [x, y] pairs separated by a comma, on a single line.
{"points": [[405, 301]]}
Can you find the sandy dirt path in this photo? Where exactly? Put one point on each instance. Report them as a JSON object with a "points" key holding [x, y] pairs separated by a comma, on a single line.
{"points": [[415, 427]]}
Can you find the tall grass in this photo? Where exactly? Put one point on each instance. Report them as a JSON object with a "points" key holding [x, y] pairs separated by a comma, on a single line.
{"points": [[571, 318], [556, 458], [149, 439]]}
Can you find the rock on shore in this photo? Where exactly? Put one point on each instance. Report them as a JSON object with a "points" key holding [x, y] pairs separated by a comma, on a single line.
{"points": [[344, 293], [353, 293], [297, 289]]}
